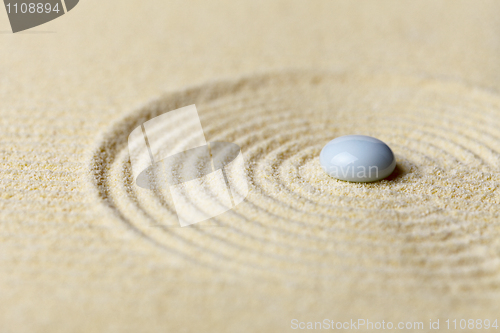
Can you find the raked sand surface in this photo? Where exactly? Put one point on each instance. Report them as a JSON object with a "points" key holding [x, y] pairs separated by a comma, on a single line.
{"points": [[83, 249]]}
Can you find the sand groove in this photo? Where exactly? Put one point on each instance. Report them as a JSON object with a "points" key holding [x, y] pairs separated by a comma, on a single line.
{"points": [[436, 217]]}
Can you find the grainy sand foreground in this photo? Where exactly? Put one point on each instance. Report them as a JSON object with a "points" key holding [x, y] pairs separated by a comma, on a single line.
{"points": [[83, 249]]}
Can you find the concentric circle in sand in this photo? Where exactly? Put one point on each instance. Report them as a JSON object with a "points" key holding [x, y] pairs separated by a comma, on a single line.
{"points": [[434, 220]]}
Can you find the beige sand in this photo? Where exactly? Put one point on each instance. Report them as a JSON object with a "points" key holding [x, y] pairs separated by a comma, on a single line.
{"points": [[85, 250]]}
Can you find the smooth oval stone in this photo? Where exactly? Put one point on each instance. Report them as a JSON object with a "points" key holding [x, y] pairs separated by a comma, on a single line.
{"points": [[357, 158]]}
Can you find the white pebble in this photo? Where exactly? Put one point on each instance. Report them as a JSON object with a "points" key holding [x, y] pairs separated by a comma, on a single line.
{"points": [[357, 158]]}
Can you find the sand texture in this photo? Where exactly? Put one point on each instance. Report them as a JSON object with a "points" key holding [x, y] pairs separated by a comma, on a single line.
{"points": [[83, 249]]}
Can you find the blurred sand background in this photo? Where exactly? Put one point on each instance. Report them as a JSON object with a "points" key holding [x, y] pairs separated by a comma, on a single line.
{"points": [[69, 264]]}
